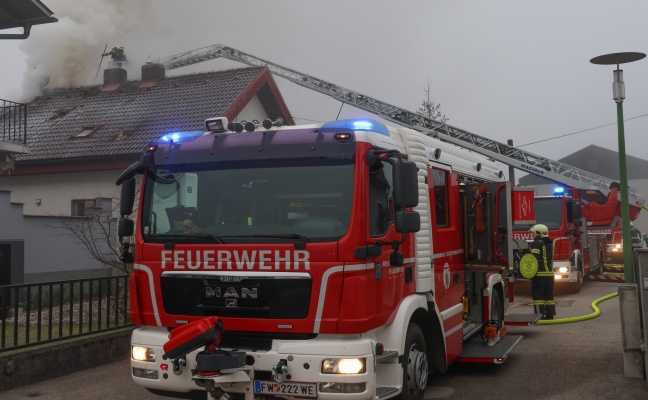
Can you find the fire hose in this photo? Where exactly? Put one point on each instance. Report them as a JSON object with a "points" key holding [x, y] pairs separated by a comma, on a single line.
{"points": [[595, 314]]}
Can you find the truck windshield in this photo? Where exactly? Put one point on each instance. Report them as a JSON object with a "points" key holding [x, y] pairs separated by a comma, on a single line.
{"points": [[548, 211], [264, 201]]}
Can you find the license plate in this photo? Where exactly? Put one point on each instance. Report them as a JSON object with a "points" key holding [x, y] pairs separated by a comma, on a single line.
{"points": [[286, 389]]}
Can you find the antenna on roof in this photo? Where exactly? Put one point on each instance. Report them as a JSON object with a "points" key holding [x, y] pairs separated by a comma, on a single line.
{"points": [[102, 57]]}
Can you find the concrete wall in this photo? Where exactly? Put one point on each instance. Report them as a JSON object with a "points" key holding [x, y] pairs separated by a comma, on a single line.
{"points": [[40, 250], [56, 191], [31, 366]]}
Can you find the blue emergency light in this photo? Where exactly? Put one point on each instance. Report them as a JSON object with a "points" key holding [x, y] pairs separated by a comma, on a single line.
{"points": [[559, 191], [368, 125], [178, 137]]}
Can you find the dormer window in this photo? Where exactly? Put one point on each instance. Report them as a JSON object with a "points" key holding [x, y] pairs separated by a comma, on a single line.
{"points": [[87, 131]]}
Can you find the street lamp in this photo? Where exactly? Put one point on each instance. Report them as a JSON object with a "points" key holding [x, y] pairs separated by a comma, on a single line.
{"points": [[618, 93]]}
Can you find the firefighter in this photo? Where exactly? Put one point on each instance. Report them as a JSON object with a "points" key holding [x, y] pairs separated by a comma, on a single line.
{"points": [[542, 285], [117, 54]]}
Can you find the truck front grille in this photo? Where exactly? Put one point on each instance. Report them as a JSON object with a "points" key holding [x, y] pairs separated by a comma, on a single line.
{"points": [[254, 297]]}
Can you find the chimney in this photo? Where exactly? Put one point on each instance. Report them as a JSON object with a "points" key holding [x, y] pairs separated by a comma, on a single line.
{"points": [[152, 72], [115, 76]]}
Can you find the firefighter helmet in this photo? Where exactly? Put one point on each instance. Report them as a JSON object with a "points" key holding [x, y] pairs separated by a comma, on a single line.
{"points": [[540, 230]]}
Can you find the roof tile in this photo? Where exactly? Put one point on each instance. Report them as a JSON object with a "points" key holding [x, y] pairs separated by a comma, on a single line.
{"points": [[142, 112]]}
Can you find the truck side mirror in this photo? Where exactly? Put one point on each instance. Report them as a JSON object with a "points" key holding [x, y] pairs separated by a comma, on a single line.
{"points": [[405, 182], [127, 199], [577, 212], [407, 221], [126, 227]]}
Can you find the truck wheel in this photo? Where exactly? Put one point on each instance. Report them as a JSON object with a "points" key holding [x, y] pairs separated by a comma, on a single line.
{"points": [[415, 364], [496, 309], [601, 260], [575, 287]]}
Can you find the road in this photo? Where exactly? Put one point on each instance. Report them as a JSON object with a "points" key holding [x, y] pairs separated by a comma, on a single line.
{"points": [[582, 360]]}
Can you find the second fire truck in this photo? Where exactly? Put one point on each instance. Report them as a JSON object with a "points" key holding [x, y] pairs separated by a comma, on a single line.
{"points": [[577, 250]]}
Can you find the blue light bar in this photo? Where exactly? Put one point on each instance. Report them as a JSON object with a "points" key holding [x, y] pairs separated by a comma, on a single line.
{"points": [[177, 137], [559, 190], [368, 125]]}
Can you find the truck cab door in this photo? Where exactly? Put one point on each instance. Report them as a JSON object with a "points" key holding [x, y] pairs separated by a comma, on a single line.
{"points": [[447, 241]]}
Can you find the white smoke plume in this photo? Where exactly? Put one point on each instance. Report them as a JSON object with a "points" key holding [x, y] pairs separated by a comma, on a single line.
{"points": [[68, 53]]}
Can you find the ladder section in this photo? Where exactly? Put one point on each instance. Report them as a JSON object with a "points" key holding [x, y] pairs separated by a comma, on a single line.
{"points": [[515, 157]]}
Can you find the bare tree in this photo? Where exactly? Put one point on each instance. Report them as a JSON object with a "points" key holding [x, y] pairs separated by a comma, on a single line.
{"points": [[97, 232], [428, 108]]}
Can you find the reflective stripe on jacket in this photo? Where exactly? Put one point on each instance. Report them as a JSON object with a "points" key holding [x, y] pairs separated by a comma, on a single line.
{"points": [[542, 249]]}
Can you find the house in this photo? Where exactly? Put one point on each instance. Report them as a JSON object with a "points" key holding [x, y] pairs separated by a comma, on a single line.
{"points": [[604, 162], [23, 14], [80, 139]]}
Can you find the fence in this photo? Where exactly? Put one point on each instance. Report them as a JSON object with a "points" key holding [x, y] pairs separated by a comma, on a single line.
{"points": [[13, 122], [33, 314]]}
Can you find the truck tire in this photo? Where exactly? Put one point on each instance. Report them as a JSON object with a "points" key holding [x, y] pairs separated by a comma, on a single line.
{"points": [[601, 263], [575, 287], [497, 313], [415, 364]]}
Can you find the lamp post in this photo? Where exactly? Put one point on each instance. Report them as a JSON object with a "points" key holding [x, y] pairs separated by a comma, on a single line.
{"points": [[618, 94]]}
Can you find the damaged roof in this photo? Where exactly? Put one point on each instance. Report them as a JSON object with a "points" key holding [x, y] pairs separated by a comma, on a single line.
{"points": [[103, 123]]}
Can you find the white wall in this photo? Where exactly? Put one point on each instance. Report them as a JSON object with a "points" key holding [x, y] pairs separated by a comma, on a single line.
{"points": [[56, 191], [254, 110]]}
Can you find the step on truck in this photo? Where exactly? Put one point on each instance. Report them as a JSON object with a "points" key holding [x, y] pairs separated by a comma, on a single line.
{"points": [[342, 260]]}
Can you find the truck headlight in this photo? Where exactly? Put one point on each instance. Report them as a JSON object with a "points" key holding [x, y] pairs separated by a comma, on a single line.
{"points": [[343, 366], [140, 353], [563, 270]]}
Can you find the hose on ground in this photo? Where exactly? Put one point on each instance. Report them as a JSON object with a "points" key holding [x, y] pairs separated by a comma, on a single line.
{"points": [[595, 314]]}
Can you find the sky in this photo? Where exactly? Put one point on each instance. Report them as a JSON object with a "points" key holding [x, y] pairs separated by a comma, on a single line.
{"points": [[503, 69]]}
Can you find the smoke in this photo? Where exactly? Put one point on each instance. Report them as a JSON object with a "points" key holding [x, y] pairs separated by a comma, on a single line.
{"points": [[67, 53]]}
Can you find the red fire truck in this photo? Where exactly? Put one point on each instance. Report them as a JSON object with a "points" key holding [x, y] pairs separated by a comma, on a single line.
{"points": [[342, 260], [313, 261], [577, 250], [603, 216]]}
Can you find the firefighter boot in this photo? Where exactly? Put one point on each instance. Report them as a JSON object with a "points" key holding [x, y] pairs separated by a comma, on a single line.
{"points": [[550, 311], [539, 309]]}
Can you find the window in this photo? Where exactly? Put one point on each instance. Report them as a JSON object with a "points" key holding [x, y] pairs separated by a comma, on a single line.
{"points": [[381, 205], [87, 131], [83, 208], [268, 201], [548, 211], [439, 181]]}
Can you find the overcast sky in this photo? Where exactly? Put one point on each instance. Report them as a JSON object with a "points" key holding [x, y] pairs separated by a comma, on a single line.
{"points": [[503, 69]]}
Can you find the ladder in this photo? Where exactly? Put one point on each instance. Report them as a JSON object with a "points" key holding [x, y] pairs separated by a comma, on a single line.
{"points": [[515, 157]]}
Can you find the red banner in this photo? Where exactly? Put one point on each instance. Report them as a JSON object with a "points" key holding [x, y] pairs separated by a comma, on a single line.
{"points": [[523, 206]]}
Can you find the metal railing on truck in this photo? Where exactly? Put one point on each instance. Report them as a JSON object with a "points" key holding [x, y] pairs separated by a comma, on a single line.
{"points": [[37, 313]]}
